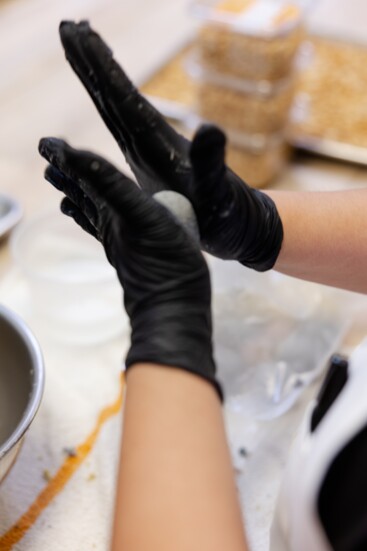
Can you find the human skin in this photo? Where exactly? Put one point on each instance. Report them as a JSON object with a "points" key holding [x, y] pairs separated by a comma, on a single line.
{"points": [[325, 237], [176, 488]]}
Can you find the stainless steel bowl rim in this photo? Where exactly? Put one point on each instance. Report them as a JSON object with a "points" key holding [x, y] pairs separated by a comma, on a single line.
{"points": [[38, 379]]}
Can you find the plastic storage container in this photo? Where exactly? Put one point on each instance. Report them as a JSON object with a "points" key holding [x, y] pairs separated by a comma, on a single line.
{"points": [[251, 39], [238, 104], [256, 159]]}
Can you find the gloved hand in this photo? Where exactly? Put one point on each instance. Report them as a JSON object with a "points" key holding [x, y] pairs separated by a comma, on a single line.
{"points": [[235, 221], [162, 271]]}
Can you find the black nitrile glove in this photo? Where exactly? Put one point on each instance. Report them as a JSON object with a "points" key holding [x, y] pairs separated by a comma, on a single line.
{"points": [[236, 222], [162, 271]]}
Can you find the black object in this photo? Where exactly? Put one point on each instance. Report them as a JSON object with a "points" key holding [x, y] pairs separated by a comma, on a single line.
{"points": [[341, 501], [236, 222], [336, 378], [166, 281], [342, 498]]}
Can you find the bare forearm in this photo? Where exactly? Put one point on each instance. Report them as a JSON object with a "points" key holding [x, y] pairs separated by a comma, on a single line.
{"points": [[176, 489], [325, 237]]}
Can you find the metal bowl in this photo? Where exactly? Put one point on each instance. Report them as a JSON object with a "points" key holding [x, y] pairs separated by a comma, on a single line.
{"points": [[21, 385]]}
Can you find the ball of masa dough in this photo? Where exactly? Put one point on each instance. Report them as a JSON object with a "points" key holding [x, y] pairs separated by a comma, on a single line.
{"points": [[181, 209]]}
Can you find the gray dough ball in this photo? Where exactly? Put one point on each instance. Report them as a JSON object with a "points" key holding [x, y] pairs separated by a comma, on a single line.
{"points": [[181, 208]]}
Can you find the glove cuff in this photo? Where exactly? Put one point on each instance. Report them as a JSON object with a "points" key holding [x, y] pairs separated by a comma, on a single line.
{"points": [[162, 336], [135, 356]]}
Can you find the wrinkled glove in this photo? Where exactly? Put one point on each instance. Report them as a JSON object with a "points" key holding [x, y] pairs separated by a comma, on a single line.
{"points": [[162, 271], [236, 222]]}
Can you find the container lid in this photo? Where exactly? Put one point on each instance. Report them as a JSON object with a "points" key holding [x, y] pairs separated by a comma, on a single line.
{"points": [[266, 18]]}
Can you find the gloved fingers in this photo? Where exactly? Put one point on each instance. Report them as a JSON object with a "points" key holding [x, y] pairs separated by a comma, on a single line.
{"points": [[207, 154], [207, 151], [68, 186], [70, 209], [99, 180], [94, 176], [74, 38], [140, 130]]}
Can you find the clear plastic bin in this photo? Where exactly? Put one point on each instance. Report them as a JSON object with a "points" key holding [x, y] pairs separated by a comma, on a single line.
{"points": [[252, 39], [73, 294], [238, 104], [258, 166], [273, 336]]}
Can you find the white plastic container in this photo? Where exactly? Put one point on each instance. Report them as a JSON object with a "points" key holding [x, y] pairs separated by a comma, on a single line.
{"points": [[252, 39], [73, 292]]}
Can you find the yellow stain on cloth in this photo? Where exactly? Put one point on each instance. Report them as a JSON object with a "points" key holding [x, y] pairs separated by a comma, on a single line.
{"points": [[59, 480]]}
